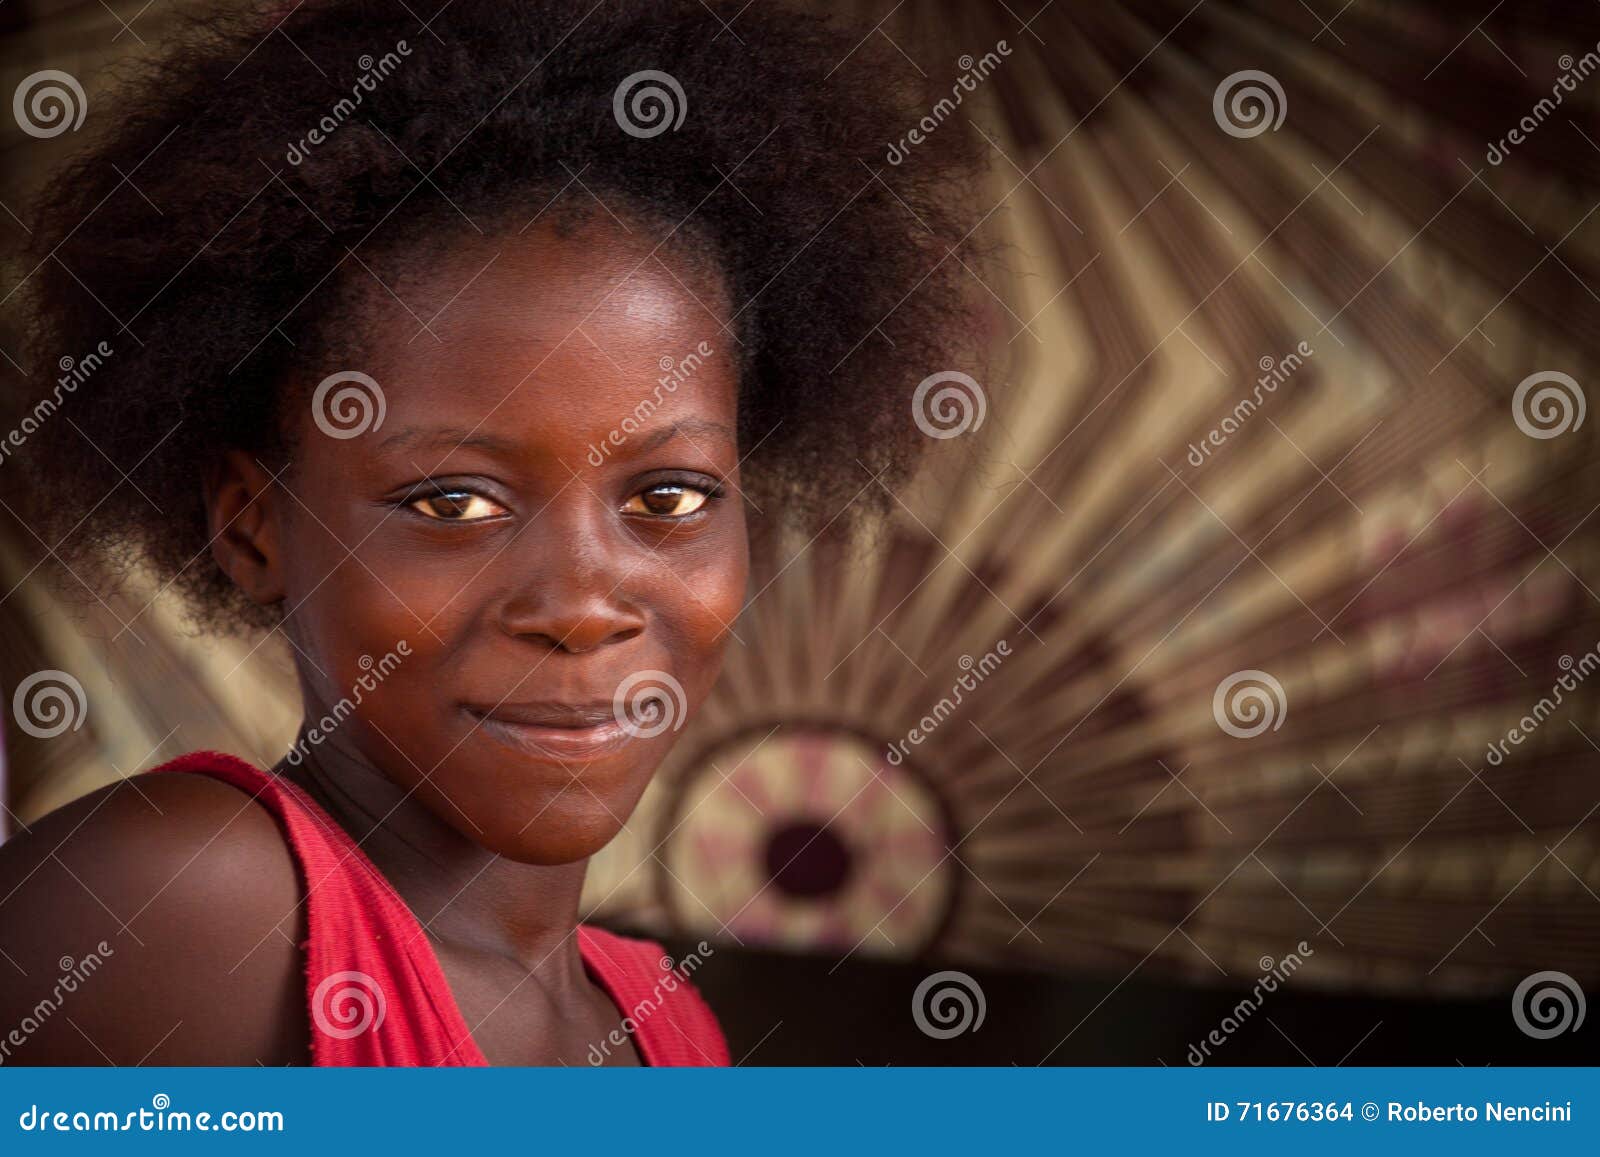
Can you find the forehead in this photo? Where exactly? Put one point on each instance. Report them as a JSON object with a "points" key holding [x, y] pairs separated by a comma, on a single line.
{"points": [[574, 324]]}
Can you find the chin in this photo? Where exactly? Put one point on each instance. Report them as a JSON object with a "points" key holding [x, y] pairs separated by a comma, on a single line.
{"points": [[569, 831], [536, 811]]}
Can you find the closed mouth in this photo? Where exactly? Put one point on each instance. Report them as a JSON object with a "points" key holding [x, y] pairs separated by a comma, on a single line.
{"points": [[561, 732]]}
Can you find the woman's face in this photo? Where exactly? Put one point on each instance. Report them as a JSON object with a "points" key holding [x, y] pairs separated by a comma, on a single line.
{"points": [[548, 516]]}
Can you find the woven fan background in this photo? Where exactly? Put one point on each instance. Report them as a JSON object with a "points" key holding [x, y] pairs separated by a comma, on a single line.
{"points": [[1404, 546]]}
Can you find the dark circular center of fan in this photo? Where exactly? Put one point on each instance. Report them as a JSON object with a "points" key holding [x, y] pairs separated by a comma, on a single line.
{"points": [[806, 860]]}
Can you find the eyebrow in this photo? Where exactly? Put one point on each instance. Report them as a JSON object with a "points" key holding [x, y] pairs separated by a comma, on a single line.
{"points": [[686, 428], [459, 437], [453, 436]]}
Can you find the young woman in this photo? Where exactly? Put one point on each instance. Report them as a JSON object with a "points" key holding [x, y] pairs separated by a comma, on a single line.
{"points": [[465, 376]]}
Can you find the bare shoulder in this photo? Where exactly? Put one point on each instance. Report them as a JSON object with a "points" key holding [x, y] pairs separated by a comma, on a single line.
{"points": [[158, 921]]}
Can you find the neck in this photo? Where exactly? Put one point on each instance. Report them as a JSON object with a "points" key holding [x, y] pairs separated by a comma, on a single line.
{"points": [[464, 896]]}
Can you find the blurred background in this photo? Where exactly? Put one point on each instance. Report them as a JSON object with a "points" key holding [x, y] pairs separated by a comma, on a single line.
{"points": [[1248, 628]]}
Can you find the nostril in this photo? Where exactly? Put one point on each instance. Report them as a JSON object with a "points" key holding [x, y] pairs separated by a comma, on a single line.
{"points": [[569, 627], [581, 640]]}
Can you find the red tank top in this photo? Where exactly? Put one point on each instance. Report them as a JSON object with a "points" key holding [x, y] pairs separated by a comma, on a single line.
{"points": [[375, 992]]}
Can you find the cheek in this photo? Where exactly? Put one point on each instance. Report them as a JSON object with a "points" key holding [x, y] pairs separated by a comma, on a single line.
{"points": [[345, 609], [360, 581], [420, 589], [706, 592]]}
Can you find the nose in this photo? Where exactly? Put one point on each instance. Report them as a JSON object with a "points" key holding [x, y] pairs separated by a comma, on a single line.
{"points": [[570, 593]]}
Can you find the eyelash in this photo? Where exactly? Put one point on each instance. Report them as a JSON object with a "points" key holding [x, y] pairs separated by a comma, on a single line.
{"points": [[712, 492]]}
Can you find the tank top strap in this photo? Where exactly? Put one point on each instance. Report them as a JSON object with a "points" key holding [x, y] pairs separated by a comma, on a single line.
{"points": [[374, 989], [670, 1023]]}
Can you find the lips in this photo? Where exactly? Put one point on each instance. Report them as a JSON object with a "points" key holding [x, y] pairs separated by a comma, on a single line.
{"points": [[558, 732]]}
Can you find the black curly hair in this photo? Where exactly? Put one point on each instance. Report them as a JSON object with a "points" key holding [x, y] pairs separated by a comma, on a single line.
{"points": [[206, 235]]}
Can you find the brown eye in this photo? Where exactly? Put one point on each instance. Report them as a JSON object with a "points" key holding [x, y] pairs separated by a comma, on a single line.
{"points": [[456, 506], [668, 500]]}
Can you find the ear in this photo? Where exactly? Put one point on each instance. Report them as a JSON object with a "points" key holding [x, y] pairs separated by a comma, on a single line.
{"points": [[243, 518]]}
